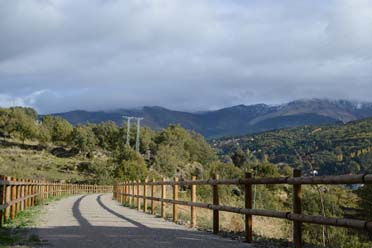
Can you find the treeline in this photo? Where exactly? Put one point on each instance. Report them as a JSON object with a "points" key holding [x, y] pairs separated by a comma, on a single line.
{"points": [[331, 150], [170, 152]]}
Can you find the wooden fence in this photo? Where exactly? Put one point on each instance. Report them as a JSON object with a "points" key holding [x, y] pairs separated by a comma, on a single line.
{"points": [[129, 192], [17, 195]]}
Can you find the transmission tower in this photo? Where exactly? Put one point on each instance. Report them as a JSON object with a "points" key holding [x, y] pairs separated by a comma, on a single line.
{"points": [[128, 127], [138, 133], [129, 118]]}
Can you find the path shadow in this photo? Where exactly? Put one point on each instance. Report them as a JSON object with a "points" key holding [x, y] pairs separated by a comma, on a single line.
{"points": [[99, 200], [85, 235]]}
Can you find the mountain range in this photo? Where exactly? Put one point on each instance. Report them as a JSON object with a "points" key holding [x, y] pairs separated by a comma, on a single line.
{"points": [[236, 120]]}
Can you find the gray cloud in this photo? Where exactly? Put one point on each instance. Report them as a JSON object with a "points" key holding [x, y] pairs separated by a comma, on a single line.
{"points": [[58, 55]]}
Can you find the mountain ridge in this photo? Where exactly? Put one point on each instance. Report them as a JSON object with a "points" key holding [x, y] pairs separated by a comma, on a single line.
{"points": [[235, 120]]}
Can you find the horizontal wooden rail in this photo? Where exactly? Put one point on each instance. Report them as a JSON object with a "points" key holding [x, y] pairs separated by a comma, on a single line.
{"points": [[122, 193], [343, 179], [17, 195], [342, 222]]}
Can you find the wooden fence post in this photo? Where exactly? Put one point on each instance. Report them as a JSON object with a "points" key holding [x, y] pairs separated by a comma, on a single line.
{"points": [[13, 198], [113, 191], [8, 195], [163, 196], [297, 209], [248, 204], [2, 192], [145, 195], [132, 189], [175, 198], [23, 194], [47, 189], [193, 199], [130, 193], [216, 215], [126, 192], [33, 192], [138, 196], [152, 195], [121, 194], [19, 195], [26, 193]]}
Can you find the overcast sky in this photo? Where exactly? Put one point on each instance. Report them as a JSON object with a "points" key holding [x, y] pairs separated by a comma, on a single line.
{"points": [[59, 55]]}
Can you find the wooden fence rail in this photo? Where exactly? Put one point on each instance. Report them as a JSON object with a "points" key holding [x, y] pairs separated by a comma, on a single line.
{"points": [[17, 195], [126, 192]]}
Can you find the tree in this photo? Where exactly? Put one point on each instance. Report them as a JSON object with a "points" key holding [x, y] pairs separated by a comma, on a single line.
{"points": [[43, 135], [239, 157], [130, 165], [18, 121], [23, 122], [59, 129], [169, 160], [107, 134], [190, 143], [83, 138]]}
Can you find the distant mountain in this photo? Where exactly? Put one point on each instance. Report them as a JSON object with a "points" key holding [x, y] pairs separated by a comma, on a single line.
{"points": [[237, 120]]}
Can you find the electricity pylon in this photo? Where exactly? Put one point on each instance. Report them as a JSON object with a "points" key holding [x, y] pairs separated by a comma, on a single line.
{"points": [[138, 133], [129, 118], [128, 127]]}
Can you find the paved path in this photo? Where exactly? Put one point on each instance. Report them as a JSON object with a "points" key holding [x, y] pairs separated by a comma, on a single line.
{"points": [[97, 221]]}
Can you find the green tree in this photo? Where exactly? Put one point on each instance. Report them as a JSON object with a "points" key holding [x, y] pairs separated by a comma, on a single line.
{"points": [[239, 157], [24, 123], [184, 147], [59, 129], [107, 134], [130, 165], [83, 138], [169, 160]]}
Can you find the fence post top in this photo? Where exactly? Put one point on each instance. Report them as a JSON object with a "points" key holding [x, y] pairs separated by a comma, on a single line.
{"points": [[193, 178]]}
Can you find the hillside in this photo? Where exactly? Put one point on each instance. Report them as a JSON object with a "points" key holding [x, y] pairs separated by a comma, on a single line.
{"points": [[35, 161], [330, 149], [236, 120]]}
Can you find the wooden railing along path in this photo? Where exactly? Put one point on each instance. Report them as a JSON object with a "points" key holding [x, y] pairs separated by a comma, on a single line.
{"points": [[17, 195], [128, 192]]}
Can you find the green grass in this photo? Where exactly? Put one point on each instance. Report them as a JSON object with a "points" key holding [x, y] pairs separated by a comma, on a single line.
{"points": [[16, 232], [28, 161]]}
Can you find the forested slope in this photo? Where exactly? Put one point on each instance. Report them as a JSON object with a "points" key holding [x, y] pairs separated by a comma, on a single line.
{"points": [[331, 149]]}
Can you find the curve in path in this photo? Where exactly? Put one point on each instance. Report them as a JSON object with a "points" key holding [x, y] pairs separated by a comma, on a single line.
{"points": [[97, 221]]}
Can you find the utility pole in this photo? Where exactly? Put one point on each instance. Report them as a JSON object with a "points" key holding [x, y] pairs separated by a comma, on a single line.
{"points": [[138, 133], [128, 127]]}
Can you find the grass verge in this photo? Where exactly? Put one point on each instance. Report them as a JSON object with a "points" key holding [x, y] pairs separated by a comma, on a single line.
{"points": [[16, 233]]}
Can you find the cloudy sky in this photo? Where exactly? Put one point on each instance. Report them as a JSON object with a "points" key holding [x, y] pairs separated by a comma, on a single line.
{"points": [[59, 55]]}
